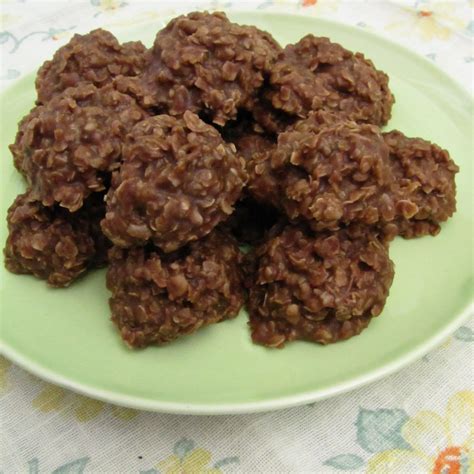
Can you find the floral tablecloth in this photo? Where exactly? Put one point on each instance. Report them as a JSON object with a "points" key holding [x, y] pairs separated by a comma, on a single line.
{"points": [[420, 420]]}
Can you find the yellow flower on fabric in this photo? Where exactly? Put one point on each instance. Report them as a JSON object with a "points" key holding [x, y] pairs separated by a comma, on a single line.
{"points": [[187, 459], [110, 4], [6, 20], [318, 7], [61, 35], [53, 398], [447, 343], [108, 7], [429, 26], [87, 408], [4, 368], [430, 21], [124, 413], [441, 445], [195, 462]]}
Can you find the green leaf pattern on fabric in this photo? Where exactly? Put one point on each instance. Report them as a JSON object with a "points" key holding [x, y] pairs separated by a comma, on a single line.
{"points": [[465, 334], [73, 467], [345, 462], [226, 461], [379, 430], [33, 466], [183, 447]]}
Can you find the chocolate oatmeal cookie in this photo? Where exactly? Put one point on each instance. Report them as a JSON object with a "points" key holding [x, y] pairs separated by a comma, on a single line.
{"points": [[94, 58], [178, 180], [319, 287], [67, 148], [158, 297]]}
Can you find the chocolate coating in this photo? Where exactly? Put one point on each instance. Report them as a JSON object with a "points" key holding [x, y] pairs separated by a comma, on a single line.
{"points": [[67, 148], [52, 243], [158, 297], [252, 218], [273, 121], [321, 288], [178, 180], [317, 74], [327, 170], [95, 58], [263, 184], [202, 61], [332, 172], [424, 187], [250, 143]]}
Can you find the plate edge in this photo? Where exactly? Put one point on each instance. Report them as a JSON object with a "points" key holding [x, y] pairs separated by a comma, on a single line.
{"points": [[239, 408]]}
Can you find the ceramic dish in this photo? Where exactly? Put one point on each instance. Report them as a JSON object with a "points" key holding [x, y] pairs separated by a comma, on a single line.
{"points": [[65, 336]]}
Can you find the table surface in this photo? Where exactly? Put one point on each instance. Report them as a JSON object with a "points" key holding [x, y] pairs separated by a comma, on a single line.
{"points": [[412, 422]]}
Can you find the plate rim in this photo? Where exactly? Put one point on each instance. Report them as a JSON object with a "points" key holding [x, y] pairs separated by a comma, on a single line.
{"points": [[276, 403], [272, 404]]}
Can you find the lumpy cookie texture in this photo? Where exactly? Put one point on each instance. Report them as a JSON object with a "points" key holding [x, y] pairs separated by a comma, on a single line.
{"points": [[250, 143], [52, 243], [327, 170], [319, 287], [251, 219], [317, 74], [203, 62], [331, 172], [273, 121], [334, 172], [263, 183], [178, 180], [67, 148], [424, 186], [158, 297], [95, 58]]}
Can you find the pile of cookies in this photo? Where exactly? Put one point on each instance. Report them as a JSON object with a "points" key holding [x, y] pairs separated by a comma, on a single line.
{"points": [[216, 170]]}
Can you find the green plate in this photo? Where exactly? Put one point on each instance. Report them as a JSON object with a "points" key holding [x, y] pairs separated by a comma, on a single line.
{"points": [[65, 336]]}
